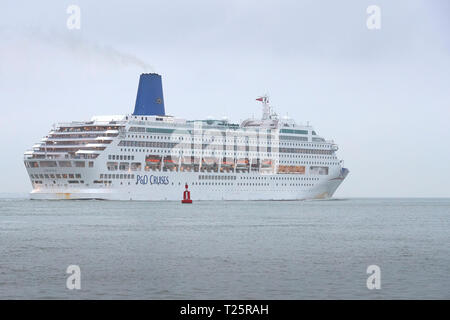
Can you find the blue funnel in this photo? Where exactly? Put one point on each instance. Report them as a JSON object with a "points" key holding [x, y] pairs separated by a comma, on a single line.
{"points": [[149, 99]]}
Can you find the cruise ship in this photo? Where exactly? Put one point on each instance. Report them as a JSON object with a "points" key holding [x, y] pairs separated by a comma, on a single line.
{"points": [[151, 156]]}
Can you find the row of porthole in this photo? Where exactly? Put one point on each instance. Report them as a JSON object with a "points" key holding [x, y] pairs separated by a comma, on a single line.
{"points": [[56, 176], [239, 140]]}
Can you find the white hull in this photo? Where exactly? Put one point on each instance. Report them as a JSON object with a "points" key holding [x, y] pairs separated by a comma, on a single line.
{"points": [[267, 190]]}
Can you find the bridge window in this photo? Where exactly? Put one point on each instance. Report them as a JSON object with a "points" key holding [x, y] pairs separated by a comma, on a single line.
{"points": [[48, 164]]}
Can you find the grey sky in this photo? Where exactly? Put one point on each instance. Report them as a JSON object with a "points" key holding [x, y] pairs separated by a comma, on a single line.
{"points": [[382, 95]]}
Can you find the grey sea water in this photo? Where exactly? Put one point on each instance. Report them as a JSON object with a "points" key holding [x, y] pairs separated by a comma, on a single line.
{"points": [[225, 250]]}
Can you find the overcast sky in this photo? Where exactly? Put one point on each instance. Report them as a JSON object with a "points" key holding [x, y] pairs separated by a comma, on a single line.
{"points": [[382, 95]]}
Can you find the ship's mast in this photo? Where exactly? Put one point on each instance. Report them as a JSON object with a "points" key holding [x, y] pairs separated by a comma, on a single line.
{"points": [[266, 108]]}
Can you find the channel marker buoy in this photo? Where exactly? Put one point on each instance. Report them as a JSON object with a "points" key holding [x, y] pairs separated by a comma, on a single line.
{"points": [[186, 195]]}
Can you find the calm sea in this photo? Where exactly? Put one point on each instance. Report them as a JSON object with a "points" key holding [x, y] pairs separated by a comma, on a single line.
{"points": [[225, 250]]}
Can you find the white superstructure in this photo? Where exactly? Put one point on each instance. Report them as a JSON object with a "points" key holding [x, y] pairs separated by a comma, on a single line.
{"points": [[152, 157]]}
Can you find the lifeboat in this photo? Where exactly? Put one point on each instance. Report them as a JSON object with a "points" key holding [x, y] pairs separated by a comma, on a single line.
{"points": [[227, 164], [152, 162], [189, 164], [209, 162], [242, 163], [153, 159], [267, 163], [169, 161]]}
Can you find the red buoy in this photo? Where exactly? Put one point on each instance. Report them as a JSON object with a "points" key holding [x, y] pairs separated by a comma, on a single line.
{"points": [[186, 195]]}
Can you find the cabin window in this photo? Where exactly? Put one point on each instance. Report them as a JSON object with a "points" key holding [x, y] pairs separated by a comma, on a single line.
{"points": [[34, 164], [80, 164], [124, 166], [112, 166], [136, 166], [48, 164], [65, 164]]}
